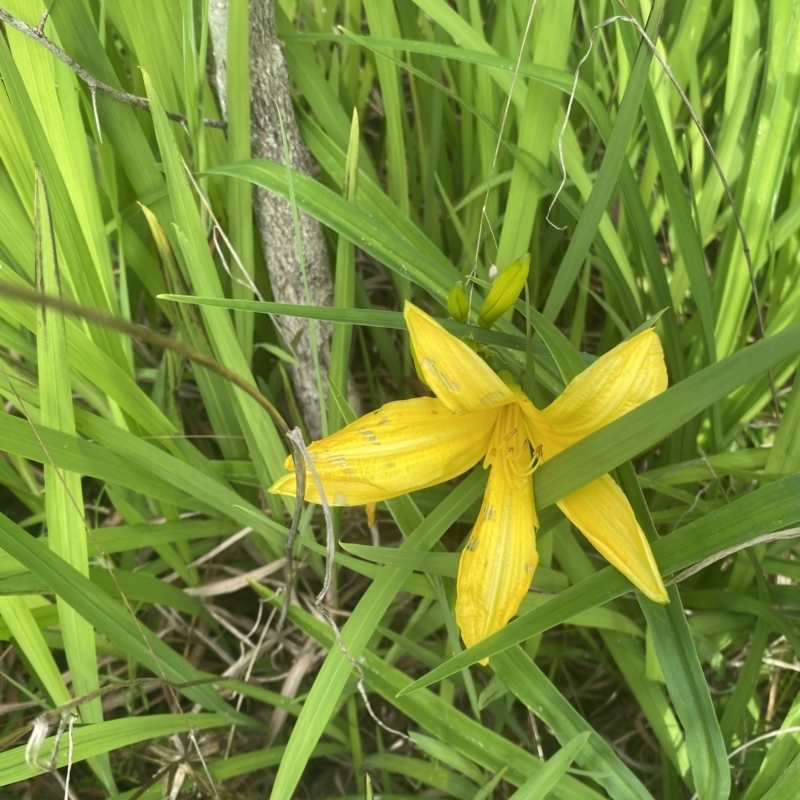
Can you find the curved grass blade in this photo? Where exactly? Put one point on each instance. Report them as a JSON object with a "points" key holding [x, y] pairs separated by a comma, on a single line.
{"points": [[436, 276], [538, 694], [111, 619], [771, 508], [331, 679], [63, 490], [539, 786], [688, 689], [90, 741]]}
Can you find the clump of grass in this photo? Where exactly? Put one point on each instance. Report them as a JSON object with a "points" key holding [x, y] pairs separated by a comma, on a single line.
{"points": [[141, 570]]}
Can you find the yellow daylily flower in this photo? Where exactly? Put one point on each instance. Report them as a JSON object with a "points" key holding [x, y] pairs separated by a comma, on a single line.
{"points": [[412, 444]]}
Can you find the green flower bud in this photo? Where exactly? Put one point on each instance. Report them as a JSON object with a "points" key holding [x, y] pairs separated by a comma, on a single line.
{"points": [[458, 303], [504, 292]]}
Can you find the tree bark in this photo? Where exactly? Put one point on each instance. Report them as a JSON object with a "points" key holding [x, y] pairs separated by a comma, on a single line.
{"points": [[270, 101], [269, 95]]}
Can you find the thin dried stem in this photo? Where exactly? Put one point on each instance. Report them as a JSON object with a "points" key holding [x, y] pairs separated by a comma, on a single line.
{"points": [[296, 438], [298, 458], [94, 84], [144, 333]]}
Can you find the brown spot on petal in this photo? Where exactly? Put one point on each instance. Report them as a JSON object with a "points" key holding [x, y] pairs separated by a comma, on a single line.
{"points": [[449, 384], [490, 399]]}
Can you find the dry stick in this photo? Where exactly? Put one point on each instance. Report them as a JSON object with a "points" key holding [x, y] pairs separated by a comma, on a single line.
{"points": [[72, 717], [299, 496], [94, 84], [269, 87], [43, 21], [193, 740], [255, 653], [296, 438], [160, 775]]}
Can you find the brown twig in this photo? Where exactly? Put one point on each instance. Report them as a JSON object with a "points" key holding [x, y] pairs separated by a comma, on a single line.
{"points": [[146, 334], [94, 84], [39, 29], [143, 333]]}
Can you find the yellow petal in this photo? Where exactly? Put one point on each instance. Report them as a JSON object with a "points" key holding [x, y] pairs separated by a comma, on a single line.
{"points": [[458, 376], [603, 514], [401, 447], [615, 384], [499, 559]]}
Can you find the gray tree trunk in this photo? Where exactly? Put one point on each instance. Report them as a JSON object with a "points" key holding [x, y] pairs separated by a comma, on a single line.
{"points": [[270, 101]]}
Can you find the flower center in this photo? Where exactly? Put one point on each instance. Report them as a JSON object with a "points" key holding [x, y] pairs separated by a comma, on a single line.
{"points": [[512, 443]]}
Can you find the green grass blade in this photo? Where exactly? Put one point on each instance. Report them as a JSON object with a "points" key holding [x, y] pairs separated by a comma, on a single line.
{"points": [[607, 175], [266, 449], [355, 634], [382, 19], [785, 788], [64, 492], [768, 509], [21, 624], [536, 128], [536, 692], [441, 720], [99, 739], [240, 196], [539, 785], [770, 137], [344, 287], [364, 231], [689, 693], [110, 618]]}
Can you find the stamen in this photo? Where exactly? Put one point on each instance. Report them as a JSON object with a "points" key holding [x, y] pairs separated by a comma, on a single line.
{"points": [[533, 464]]}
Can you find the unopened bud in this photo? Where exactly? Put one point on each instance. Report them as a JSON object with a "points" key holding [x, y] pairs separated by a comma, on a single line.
{"points": [[458, 303], [504, 292]]}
